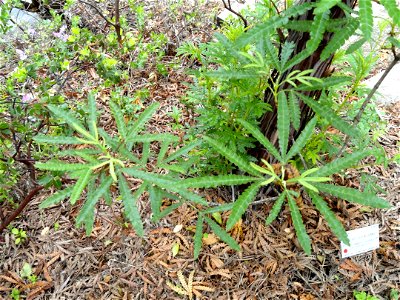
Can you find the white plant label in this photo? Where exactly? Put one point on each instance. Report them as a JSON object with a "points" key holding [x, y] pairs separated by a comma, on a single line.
{"points": [[361, 240]]}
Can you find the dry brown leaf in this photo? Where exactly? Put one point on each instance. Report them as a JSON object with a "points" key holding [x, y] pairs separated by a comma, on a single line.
{"points": [[210, 239]]}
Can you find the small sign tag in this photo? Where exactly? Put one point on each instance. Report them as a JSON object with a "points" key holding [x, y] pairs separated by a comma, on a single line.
{"points": [[361, 240]]}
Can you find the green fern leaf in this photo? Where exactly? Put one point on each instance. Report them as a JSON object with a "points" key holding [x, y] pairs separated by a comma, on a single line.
{"points": [[149, 138], [318, 29], [241, 204], [393, 10], [58, 165], [182, 151], [366, 17], [271, 51], [80, 185], [218, 208], [283, 124], [56, 198], [303, 138], [356, 45], [343, 163], [119, 119], [134, 129], [123, 150], [353, 195], [275, 209], [71, 120], [325, 83], [62, 140], [323, 6], [330, 115], [112, 142], [299, 25], [299, 227], [163, 151], [222, 234], [86, 214], [255, 132], [214, 181], [339, 38], [130, 207], [155, 202], [90, 155], [92, 123], [145, 153], [231, 156], [334, 224], [198, 236], [294, 110]]}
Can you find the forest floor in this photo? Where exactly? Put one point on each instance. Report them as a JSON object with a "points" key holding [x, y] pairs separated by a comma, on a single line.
{"points": [[114, 263]]}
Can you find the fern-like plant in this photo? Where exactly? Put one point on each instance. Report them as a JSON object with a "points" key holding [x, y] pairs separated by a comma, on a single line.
{"points": [[109, 161]]}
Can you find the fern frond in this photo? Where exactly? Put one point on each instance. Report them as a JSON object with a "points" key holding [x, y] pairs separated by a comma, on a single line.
{"points": [[283, 124], [303, 138], [62, 140], [294, 110], [198, 235], [241, 204], [299, 227], [323, 6], [222, 234], [130, 207], [325, 83], [339, 38], [356, 45], [276, 208], [231, 156], [71, 120], [56, 198], [119, 119], [353, 195], [134, 128], [58, 165], [330, 115], [214, 181], [86, 214], [92, 122], [259, 136], [182, 151], [334, 224], [80, 185], [348, 161], [366, 17], [299, 25], [392, 9]]}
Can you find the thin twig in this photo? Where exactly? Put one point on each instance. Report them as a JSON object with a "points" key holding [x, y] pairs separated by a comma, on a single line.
{"points": [[99, 12], [229, 8]]}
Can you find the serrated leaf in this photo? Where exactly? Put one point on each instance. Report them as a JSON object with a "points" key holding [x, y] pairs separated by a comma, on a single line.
{"points": [[92, 122], [307, 185], [130, 207], [155, 201], [71, 120], [259, 136], [346, 162], [241, 204], [145, 153], [182, 151], [299, 227], [366, 17], [154, 178], [323, 6], [330, 115], [294, 109], [392, 9], [62, 140], [356, 45], [303, 138], [334, 224], [219, 208], [222, 234], [214, 181], [80, 185], [283, 124], [119, 119], [56, 198], [58, 165], [353, 195], [198, 236], [339, 38], [231, 156], [86, 214], [150, 137], [276, 208], [325, 83], [134, 129], [299, 25]]}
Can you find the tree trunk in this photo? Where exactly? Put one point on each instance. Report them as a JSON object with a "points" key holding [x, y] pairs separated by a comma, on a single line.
{"points": [[321, 69]]}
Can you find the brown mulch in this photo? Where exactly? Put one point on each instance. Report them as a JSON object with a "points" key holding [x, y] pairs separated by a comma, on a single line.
{"points": [[113, 263]]}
